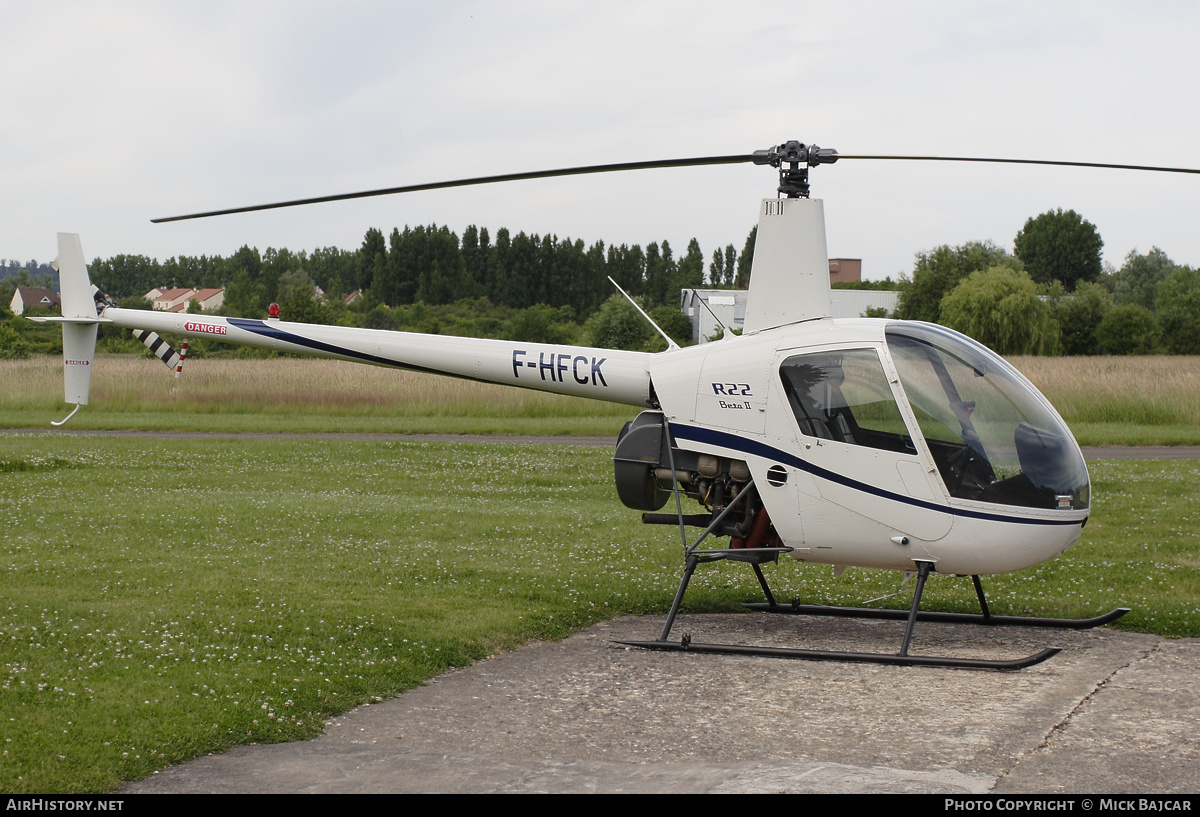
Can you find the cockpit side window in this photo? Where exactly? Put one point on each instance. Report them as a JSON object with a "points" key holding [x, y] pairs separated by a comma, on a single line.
{"points": [[844, 396]]}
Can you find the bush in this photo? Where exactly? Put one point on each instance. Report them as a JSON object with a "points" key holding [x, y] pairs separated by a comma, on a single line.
{"points": [[1079, 315], [1179, 311], [12, 345], [542, 323], [617, 326], [1129, 329]]}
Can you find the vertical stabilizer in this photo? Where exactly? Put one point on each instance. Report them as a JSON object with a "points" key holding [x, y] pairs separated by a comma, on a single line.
{"points": [[79, 319], [789, 279], [76, 289]]}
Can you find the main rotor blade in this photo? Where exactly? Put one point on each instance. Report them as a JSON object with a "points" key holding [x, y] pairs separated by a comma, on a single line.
{"points": [[1022, 162], [507, 177]]}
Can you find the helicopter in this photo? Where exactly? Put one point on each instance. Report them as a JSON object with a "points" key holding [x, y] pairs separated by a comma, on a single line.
{"points": [[865, 442]]}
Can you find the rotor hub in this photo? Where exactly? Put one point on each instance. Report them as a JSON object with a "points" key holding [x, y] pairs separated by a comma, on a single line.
{"points": [[793, 179]]}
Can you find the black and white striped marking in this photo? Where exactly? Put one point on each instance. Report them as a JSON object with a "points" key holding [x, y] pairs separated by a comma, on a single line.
{"points": [[158, 346]]}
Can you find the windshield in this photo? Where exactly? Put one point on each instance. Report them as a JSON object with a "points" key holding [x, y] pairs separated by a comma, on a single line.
{"points": [[993, 437]]}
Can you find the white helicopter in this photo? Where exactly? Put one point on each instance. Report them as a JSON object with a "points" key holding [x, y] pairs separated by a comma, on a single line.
{"points": [[860, 442]]}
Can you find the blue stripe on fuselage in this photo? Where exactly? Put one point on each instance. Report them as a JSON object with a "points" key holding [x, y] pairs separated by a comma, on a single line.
{"points": [[759, 449], [267, 330]]}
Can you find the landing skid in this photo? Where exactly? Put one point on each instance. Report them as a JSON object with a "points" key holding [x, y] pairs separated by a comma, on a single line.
{"points": [[687, 645], [986, 617], [755, 556], [797, 609]]}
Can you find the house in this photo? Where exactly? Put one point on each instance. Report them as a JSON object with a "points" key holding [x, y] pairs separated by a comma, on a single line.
{"points": [[26, 297], [210, 299], [167, 299], [178, 299]]}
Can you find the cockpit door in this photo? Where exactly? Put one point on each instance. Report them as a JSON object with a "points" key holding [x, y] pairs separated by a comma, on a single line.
{"points": [[857, 454]]}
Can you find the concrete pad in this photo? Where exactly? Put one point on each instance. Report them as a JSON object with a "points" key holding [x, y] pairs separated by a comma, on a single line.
{"points": [[1111, 713], [1138, 733]]}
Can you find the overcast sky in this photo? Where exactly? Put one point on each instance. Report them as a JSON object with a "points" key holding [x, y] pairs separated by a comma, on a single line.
{"points": [[118, 112]]}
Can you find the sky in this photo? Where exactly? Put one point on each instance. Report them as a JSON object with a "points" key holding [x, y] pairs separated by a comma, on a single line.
{"points": [[118, 112]]}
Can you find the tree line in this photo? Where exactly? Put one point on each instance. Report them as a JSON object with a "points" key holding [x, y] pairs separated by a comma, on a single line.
{"points": [[1050, 295], [429, 279], [1053, 295], [435, 266]]}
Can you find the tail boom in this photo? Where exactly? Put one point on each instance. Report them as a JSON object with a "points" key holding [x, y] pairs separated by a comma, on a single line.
{"points": [[603, 374]]}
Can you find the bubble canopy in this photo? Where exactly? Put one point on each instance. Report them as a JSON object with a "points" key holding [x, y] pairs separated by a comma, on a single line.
{"points": [[993, 436]]}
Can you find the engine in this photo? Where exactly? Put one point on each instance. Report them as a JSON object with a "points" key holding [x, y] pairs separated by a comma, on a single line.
{"points": [[642, 467]]}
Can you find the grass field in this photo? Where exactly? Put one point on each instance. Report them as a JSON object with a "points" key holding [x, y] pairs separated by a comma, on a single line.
{"points": [[1151, 400], [168, 598], [1106, 400], [291, 394]]}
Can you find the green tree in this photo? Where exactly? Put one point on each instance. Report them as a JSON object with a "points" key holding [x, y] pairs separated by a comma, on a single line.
{"points": [[134, 302], [691, 267], [295, 282], [1136, 282], [1000, 308], [1058, 246], [716, 269], [1079, 315], [1179, 311], [937, 272], [1128, 329], [542, 323], [299, 306], [124, 275], [244, 298], [627, 265], [370, 256], [676, 324], [730, 265], [745, 262], [617, 326]]}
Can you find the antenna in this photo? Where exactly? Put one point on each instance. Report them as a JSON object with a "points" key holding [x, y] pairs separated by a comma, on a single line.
{"points": [[670, 343]]}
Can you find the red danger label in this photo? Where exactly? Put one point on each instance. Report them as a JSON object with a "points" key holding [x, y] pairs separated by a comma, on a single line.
{"points": [[204, 328], [78, 362]]}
